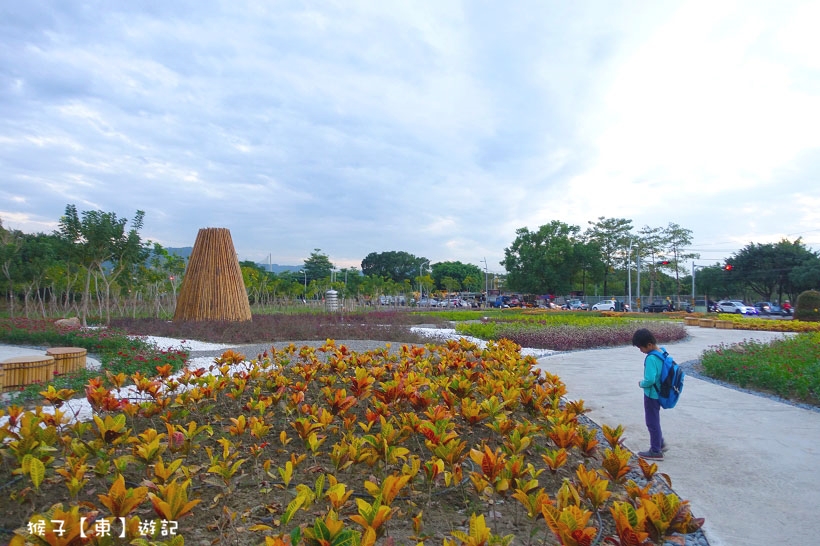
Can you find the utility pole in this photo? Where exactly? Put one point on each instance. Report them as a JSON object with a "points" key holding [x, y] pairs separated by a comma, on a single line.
{"points": [[486, 283], [629, 272]]}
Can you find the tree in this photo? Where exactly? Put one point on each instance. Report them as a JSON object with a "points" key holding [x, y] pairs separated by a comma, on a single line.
{"points": [[714, 282], [352, 280], [99, 238], [676, 239], [649, 251], [395, 265], [766, 269], [38, 254], [798, 268], [803, 277], [544, 261], [457, 271], [318, 266], [612, 237], [10, 244]]}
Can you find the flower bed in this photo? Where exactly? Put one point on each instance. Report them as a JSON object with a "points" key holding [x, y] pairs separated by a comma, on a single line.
{"points": [[307, 444]]}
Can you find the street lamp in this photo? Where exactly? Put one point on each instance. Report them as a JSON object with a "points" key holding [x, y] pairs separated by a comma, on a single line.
{"points": [[694, 268], [305, 274]]}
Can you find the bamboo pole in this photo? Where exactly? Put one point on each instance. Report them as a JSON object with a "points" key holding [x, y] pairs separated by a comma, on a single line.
{"points": [[213, 288]]}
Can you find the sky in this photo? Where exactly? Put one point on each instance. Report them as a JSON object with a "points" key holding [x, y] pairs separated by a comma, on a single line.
{"points": [[434, 128]]}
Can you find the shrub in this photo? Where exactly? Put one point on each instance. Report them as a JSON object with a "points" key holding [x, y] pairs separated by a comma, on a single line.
{"points": [[788, 367], [808, 306]]}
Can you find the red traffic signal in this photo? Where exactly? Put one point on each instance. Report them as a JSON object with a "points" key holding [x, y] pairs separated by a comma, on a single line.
{"points": [[728, 267], [664, 262]]}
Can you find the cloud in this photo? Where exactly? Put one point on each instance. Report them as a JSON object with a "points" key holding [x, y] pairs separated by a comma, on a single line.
{"points": [[433, 128]]}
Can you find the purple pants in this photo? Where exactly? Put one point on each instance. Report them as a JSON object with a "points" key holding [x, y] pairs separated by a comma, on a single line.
{"points": [[652, 414]]}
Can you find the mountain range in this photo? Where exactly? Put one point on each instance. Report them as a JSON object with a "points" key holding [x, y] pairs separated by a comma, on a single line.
{"points": [[185, 252]]}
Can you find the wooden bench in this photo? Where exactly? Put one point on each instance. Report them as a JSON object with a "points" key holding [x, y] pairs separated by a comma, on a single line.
{"points": [[20, 371], [68, 359]]}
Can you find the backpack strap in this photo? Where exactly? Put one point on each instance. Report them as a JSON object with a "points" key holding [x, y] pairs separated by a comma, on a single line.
{"points": [[662, 356]]}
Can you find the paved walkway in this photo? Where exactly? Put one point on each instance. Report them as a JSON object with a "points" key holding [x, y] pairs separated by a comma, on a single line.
{"points": [[749, 465]]}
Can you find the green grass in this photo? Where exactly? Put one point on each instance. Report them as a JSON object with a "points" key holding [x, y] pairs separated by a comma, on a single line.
{"points": [[789, 368], [569, 332]]}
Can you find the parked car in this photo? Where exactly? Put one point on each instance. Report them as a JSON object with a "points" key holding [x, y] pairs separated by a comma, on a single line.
{"points": [[576, 305], [734, 306], [605, 305], [501, 302], [768, 308], [657, 306]]}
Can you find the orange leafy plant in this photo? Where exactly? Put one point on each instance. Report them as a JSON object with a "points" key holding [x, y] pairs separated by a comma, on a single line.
{"points": [[121, 501]]}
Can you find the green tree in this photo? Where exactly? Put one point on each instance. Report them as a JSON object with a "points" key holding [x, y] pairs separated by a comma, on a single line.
{"points": [[649, 250], [611, 236], [716, 283], [11, 241], [395, 265], [351, 279], [99, 238], [802, 277], [455, 270], [38, 253], [318, 266], [676, 240], [473, 283], [767, 268], [544, 261]]}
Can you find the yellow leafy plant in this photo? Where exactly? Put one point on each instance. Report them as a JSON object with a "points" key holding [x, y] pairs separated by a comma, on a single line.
{"points": [[569, 524], [478, 534], [667, 514], [555, 458], [389, 488], [592, 487], [121, 500], [372, 516], [171, 501], [616, 463]]}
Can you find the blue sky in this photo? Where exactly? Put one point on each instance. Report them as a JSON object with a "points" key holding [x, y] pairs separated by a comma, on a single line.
{"points": [[435, 128]]}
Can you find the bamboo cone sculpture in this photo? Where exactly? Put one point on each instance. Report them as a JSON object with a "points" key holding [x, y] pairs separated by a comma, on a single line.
{"points": [[213, 288]]}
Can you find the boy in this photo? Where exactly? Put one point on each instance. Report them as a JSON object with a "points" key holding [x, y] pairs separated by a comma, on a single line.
{"points": [[644, 340]]}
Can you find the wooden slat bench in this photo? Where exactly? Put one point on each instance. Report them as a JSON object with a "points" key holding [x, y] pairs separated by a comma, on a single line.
{"points": [[68, 359], [20, 371]]}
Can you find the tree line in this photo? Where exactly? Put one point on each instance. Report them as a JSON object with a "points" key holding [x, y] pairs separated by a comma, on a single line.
{"points": [[560, 258], [96, 263]]}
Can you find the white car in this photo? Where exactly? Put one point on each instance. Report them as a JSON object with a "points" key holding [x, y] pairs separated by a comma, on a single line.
{"points": [[606, 305], [738, 307]]}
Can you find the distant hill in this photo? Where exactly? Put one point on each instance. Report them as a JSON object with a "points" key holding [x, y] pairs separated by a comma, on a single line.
{"points": [[276, 268], [185, 253]]}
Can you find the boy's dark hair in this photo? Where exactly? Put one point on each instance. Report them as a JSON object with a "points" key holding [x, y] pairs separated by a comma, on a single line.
{"points": [[643, 338]]}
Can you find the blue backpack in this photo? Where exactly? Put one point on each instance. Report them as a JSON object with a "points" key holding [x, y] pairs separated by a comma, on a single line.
{"points": [[671, 380]]}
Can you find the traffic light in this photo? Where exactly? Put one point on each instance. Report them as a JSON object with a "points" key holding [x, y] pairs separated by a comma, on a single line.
{"points": [[664, 262], [728, 267]]}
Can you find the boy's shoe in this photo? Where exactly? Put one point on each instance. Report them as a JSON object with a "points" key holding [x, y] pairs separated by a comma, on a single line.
{"points": [[651, 455]]}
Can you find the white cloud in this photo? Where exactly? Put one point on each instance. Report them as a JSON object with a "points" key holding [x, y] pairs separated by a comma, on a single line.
{"points": [[434, 128]]}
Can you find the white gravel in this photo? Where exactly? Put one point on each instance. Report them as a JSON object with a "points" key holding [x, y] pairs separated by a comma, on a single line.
{"points": [[80, 409]]}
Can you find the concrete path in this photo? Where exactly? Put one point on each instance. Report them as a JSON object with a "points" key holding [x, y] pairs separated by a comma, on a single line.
{"points": [[749, 465]]}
